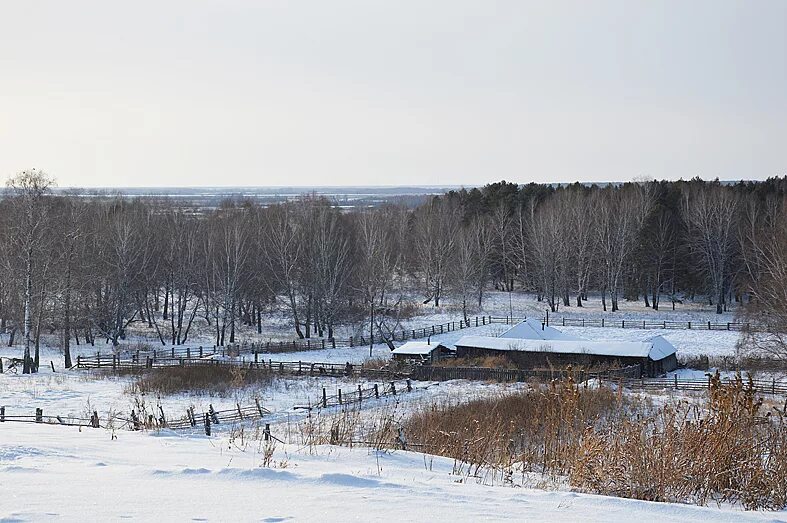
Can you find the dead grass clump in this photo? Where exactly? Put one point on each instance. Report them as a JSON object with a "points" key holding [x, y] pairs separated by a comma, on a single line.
{"points": [[210, 380], [726, 451], [534, 431]]}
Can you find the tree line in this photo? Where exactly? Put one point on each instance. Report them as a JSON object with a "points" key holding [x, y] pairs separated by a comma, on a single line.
{"points": [[87, 268]]}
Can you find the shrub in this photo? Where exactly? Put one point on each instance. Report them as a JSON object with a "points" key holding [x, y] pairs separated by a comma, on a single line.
{"points": [[214, 380]]}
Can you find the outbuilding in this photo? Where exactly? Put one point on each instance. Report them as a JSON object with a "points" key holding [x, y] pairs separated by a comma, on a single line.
{"points": [[655, 356], [422, 351]]}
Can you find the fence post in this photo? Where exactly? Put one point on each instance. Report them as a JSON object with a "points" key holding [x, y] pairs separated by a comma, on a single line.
{"points": [[39, 415], [324, 398], [188, 352], [267, 432], [393, 388], [259, 407], [376, 391], [340, 396], [351, 341], [79, 361], [708, 325], [409, 385], [94, 420], [207, 424], [360, 394], [676, 382], [689, 325], [2, 414], [773, 386]]}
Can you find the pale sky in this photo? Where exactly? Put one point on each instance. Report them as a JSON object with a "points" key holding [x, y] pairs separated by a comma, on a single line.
{"points": [[231, 92]]}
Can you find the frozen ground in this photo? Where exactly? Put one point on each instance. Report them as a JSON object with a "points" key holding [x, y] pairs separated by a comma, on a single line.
{"points": [[65, 474]]}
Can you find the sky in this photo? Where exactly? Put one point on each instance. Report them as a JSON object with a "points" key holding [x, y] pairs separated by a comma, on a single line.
{"points": [[343, 92]]}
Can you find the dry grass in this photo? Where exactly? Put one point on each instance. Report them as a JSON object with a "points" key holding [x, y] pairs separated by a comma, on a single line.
{"points": [[728, 450], [211, 380], [726, 447]]}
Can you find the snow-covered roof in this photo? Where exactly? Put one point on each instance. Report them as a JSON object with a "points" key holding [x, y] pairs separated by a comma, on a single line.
{"points": [[656, 349], [416, 348], [661, 348], [533, 329]]}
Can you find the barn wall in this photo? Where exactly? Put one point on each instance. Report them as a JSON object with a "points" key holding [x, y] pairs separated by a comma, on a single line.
{"points": [[529, 360]]}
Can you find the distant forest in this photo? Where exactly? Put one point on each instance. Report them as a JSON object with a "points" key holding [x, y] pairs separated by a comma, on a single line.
{"points": [[86, 268]]}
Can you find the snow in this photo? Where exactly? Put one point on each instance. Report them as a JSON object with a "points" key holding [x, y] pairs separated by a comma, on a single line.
{"points": [[65, 473], [686, 342], [622, 349], [416, 348], [534, 329]]}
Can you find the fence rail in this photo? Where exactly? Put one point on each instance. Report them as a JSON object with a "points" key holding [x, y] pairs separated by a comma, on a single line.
{"points": [[698, 384], [292, 368], [657, 324], [630, 323], [301, 345], [359, 395]]}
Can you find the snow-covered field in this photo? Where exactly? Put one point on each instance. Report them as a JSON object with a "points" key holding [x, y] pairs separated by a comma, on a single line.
{"points": [[53, 472], [61, 473]]}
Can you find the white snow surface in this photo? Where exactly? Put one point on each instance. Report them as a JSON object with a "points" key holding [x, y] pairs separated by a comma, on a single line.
{"points": [[534, 329], [416, 348], [71, 475], [623, 349]]}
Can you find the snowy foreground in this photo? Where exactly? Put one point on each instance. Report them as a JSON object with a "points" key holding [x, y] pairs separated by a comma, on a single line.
{"points": [[67, 474]]}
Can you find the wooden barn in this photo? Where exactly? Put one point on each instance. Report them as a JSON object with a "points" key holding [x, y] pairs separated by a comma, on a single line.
{"points": [[655, 356], [422, 351]]}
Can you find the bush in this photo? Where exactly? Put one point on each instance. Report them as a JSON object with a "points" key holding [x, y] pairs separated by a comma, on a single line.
{"points": [[213, 380]]}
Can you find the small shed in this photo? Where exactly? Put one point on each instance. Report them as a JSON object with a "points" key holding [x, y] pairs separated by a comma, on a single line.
{"points": [[422, 351]]}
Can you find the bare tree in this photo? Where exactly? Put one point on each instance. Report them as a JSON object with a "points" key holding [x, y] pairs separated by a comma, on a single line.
{"points": [[29, 189], [710, 215]]}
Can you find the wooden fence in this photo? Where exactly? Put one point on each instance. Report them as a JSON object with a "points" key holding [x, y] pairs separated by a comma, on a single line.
{"points": [[701, 384], [300, 345], [288, 368], [40, 417], [359, 395], [656, 324]]}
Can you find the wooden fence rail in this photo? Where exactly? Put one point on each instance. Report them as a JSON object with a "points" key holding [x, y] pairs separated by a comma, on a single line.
{"points": [[291, 368], [623, 323], [359, 395], [300, 345], [700, 384]]}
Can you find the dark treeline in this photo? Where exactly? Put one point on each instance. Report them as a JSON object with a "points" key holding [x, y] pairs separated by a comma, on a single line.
{"points": [[84, 268]]}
